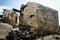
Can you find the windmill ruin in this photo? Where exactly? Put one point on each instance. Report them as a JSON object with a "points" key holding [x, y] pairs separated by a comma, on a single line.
{"points": [[35, 15]]}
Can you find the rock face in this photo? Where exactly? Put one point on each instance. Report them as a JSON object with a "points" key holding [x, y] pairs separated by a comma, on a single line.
{"points": [[4, 29], [11, 17], [39, 16]]}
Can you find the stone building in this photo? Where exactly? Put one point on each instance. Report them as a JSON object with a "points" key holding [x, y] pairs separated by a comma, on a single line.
{"points": [[39, 16], [11, 17]]}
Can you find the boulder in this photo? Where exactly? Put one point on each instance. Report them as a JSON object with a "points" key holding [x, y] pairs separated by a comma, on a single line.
{"points": [[4, 29]]}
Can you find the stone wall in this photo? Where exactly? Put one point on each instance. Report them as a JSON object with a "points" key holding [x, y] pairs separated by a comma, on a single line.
{"points": [[39, 16], [11, 17]]}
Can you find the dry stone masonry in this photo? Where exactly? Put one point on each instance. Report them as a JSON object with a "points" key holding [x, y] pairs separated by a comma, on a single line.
{"points": [[11, 17]]}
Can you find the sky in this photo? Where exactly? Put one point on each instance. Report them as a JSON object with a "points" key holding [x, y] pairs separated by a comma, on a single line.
{"points": [[9, 4]]}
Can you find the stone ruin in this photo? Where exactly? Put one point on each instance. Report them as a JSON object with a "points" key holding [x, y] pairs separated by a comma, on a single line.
{"points": [[39, 16], [11, 17], [42, 20], [1, 18]]}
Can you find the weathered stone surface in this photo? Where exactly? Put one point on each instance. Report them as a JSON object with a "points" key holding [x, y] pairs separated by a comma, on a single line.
{"points": [[42, 20], [4, 29], [50, 37], [11, 17], [39, 16]]}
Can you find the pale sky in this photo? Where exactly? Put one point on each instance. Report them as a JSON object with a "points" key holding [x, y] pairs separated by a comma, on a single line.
{"points": [[9, 4]]}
